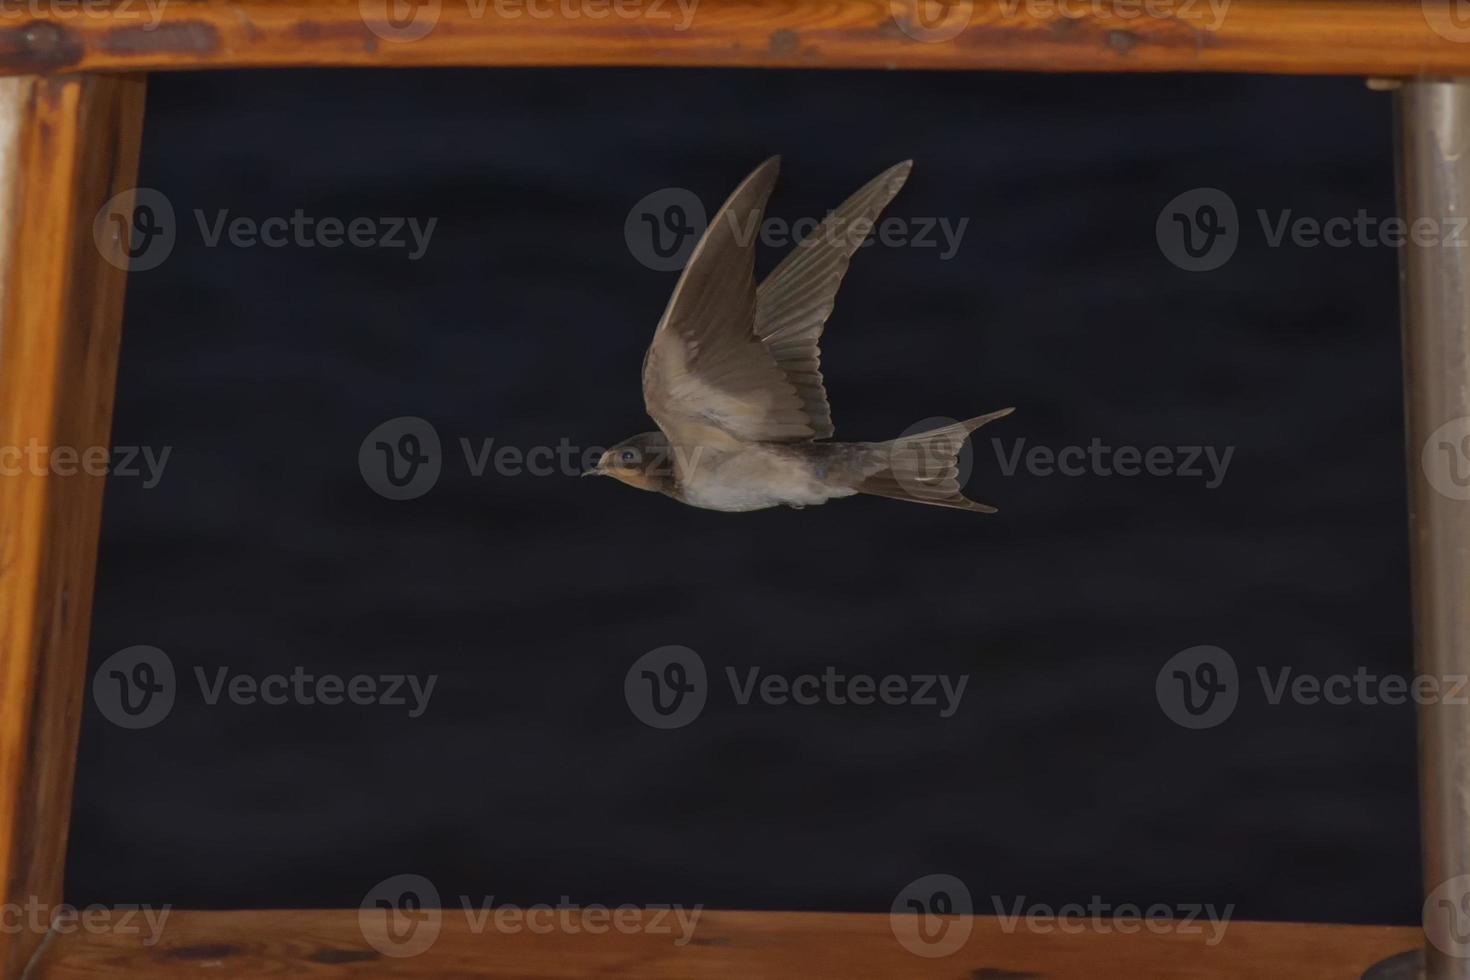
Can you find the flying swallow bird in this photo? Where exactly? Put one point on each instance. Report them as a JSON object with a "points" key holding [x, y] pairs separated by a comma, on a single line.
{"points": [[733, 379]]}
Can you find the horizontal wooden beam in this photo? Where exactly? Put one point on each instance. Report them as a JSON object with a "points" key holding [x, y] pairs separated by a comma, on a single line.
{"points": [[1360, 37], [333, 943]]}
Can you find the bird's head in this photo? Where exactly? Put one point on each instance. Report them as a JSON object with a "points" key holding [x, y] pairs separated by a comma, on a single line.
{"points": [[644, 461]]}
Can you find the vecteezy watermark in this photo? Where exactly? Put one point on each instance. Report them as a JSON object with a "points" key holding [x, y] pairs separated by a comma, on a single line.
{"points": [[932, 916], [304, 231], [1099, 917], [1447, 18], [403, 458], [1208, 463], [1446, 917], [1206, 15], [39, 917], [1363, 686], [921, 466], [137, 688], [116, 11], [1199, 230], [1445, 459], [1198, 687], [137, 230], [1362, 230], [404, 21], [669, 687], [833, 687], [1201, 687], [37, 459], [662, 228], [932, 21], [402, 916]]}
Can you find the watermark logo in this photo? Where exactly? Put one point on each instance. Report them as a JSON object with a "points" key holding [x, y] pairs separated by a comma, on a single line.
{"points": [[571, 918], [1206, 15], [116, 11], [409, 691], [1445, 459], [1199, 687], [1198, 230], [1103, 918], [404, 21], [662, 229], [401, 458], [666, 688], [932, 21], [832, 687], [306, 231], [135, 688], [1447, 917], [135, 230], [917, 464], [1364, 687], [1362, 229], [400, 916], [932, 916], [400, 21], [1450, 19], [37, 459], [40, 918], [1207, 463]]}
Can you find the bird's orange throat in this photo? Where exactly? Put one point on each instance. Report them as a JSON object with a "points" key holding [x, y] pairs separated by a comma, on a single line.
{"points": [[637, 478]]}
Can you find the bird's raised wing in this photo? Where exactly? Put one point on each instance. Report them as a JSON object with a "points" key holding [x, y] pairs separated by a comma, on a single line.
{"points": [[707, 377], [794, 301]]}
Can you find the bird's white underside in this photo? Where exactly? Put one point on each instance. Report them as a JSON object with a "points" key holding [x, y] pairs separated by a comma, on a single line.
{"points": [[754, 478]]}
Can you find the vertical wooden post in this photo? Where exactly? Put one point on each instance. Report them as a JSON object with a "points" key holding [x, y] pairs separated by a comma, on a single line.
{"points": [[1434, 189], [67, 146]]}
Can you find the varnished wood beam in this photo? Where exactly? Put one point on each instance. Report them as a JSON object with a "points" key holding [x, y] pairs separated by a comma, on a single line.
{"points": [[1362, 37], [331, 943], [67, 145]]}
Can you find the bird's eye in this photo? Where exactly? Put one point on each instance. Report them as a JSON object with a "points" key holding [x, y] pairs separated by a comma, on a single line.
{"points": [[628, 456]]}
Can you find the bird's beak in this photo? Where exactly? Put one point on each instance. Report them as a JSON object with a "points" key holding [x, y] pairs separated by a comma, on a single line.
{"points": [[600, 469]]}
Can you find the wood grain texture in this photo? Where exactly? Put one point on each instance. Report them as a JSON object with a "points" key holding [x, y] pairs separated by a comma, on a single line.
{"points": [[724, 945], [68, 145], [1374, 37]]}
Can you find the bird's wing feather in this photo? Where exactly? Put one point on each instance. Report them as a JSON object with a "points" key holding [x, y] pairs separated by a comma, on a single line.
{"points": [[707, 378], [794, 301]]}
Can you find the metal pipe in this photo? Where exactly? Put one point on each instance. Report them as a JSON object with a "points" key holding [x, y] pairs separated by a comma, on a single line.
{"points": [[1433, 143]]}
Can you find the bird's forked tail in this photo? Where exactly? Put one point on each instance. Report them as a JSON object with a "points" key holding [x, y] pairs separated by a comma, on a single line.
{"points": [[924, 468]]}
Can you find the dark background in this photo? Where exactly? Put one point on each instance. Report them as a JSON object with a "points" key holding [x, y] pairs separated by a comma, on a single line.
{"points": [[1060, 778]]}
